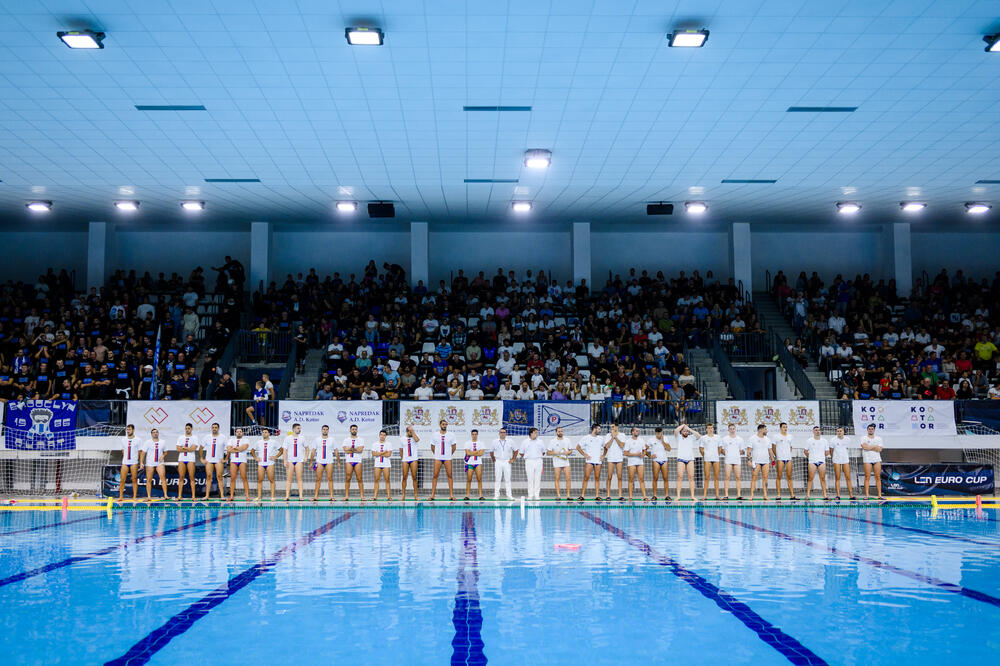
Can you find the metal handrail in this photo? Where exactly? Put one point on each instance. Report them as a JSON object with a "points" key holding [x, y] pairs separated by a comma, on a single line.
{"points": [[793, 368], [288, 375], [736, 387], [264, 346]]}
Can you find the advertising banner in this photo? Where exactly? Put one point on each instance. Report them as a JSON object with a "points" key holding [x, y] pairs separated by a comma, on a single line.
{"points": [[112, 479], [573, 417], [169, 417], [338, 414], [40, 425], [462, 417], [800, 415], [912, 418], [937, 479]]}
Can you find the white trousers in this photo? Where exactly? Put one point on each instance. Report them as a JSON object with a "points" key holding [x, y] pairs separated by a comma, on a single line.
{"points": [[501, 471], [533, 468]]}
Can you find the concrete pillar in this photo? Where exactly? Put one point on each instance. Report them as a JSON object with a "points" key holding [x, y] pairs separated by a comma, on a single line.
{"points": [[740, 263], [260, 255], [99, 247], [419, 254], [581, 253], [898, 256]]}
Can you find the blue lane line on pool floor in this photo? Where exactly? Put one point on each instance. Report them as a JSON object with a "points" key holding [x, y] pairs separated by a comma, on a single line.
{"points": [[51, 525], [915, 530], [467, 646], [24, 575], [787, 645], [156, 640], [912, 575]]}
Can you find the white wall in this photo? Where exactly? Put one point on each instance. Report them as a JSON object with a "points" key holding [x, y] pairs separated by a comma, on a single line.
{"points": [[670, 252], [345, 252], [178, 251], [978, 255], [826, 252], [517, 251], [28, 254]]}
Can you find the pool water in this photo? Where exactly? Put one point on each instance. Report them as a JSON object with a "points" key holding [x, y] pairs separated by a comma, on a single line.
{"points": [[498, 585]]}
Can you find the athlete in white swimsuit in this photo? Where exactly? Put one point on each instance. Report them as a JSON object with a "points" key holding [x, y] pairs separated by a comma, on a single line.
{"points": [[657, 450], [818, 449], [841, 463], [236, 450], [760, 453], [296, 453], [153, 458], [354, 449], [733, 446], [213, 452], [635, 453], [871, 456], [560, 450], [410, 455], [325, 456], [443, 449], [187, 448], [474, 453], [266, 452], [711, 449], [591, 448], [685, 439], [614, 455], [382, 455], [782, 451], [130, 462]]}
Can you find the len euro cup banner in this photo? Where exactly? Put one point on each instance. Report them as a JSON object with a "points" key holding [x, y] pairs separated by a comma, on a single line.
{"points": [[572, 416], [911, 418], [40, 425], [800, 415], [169, 417], [111, 480], [462, 417], [338, 414], [937, 479]]}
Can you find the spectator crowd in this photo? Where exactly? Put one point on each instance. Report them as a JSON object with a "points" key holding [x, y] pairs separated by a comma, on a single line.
{"points": [[59, 343], [940, 343], [503, 336]]}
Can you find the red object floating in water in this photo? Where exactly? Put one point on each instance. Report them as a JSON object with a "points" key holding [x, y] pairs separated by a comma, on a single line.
{"points": [[567, 546]]}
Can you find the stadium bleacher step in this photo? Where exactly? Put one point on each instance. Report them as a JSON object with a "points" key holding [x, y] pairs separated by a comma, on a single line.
{"points": [[303, 386], [768, 310], [704, 369]]}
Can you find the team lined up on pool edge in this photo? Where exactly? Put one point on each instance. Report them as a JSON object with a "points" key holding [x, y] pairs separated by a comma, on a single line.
{"points": [[611, 455]]}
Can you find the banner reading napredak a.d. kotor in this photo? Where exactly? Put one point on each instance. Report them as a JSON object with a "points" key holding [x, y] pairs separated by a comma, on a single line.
{"points": [[462, 417], [800, 415], [338, 414], [169, 417], [912, 418]]}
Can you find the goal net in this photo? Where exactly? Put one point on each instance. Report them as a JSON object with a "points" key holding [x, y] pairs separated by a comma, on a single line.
{"points": [[33, 464]]}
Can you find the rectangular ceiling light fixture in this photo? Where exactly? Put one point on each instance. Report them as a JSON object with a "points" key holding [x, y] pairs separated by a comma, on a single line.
{"points": [[748, 181], [360, 36], [496, 108], [82, 39], [491, 180], [169, 107], [822, 109], [232, 180], [687, 38]]}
